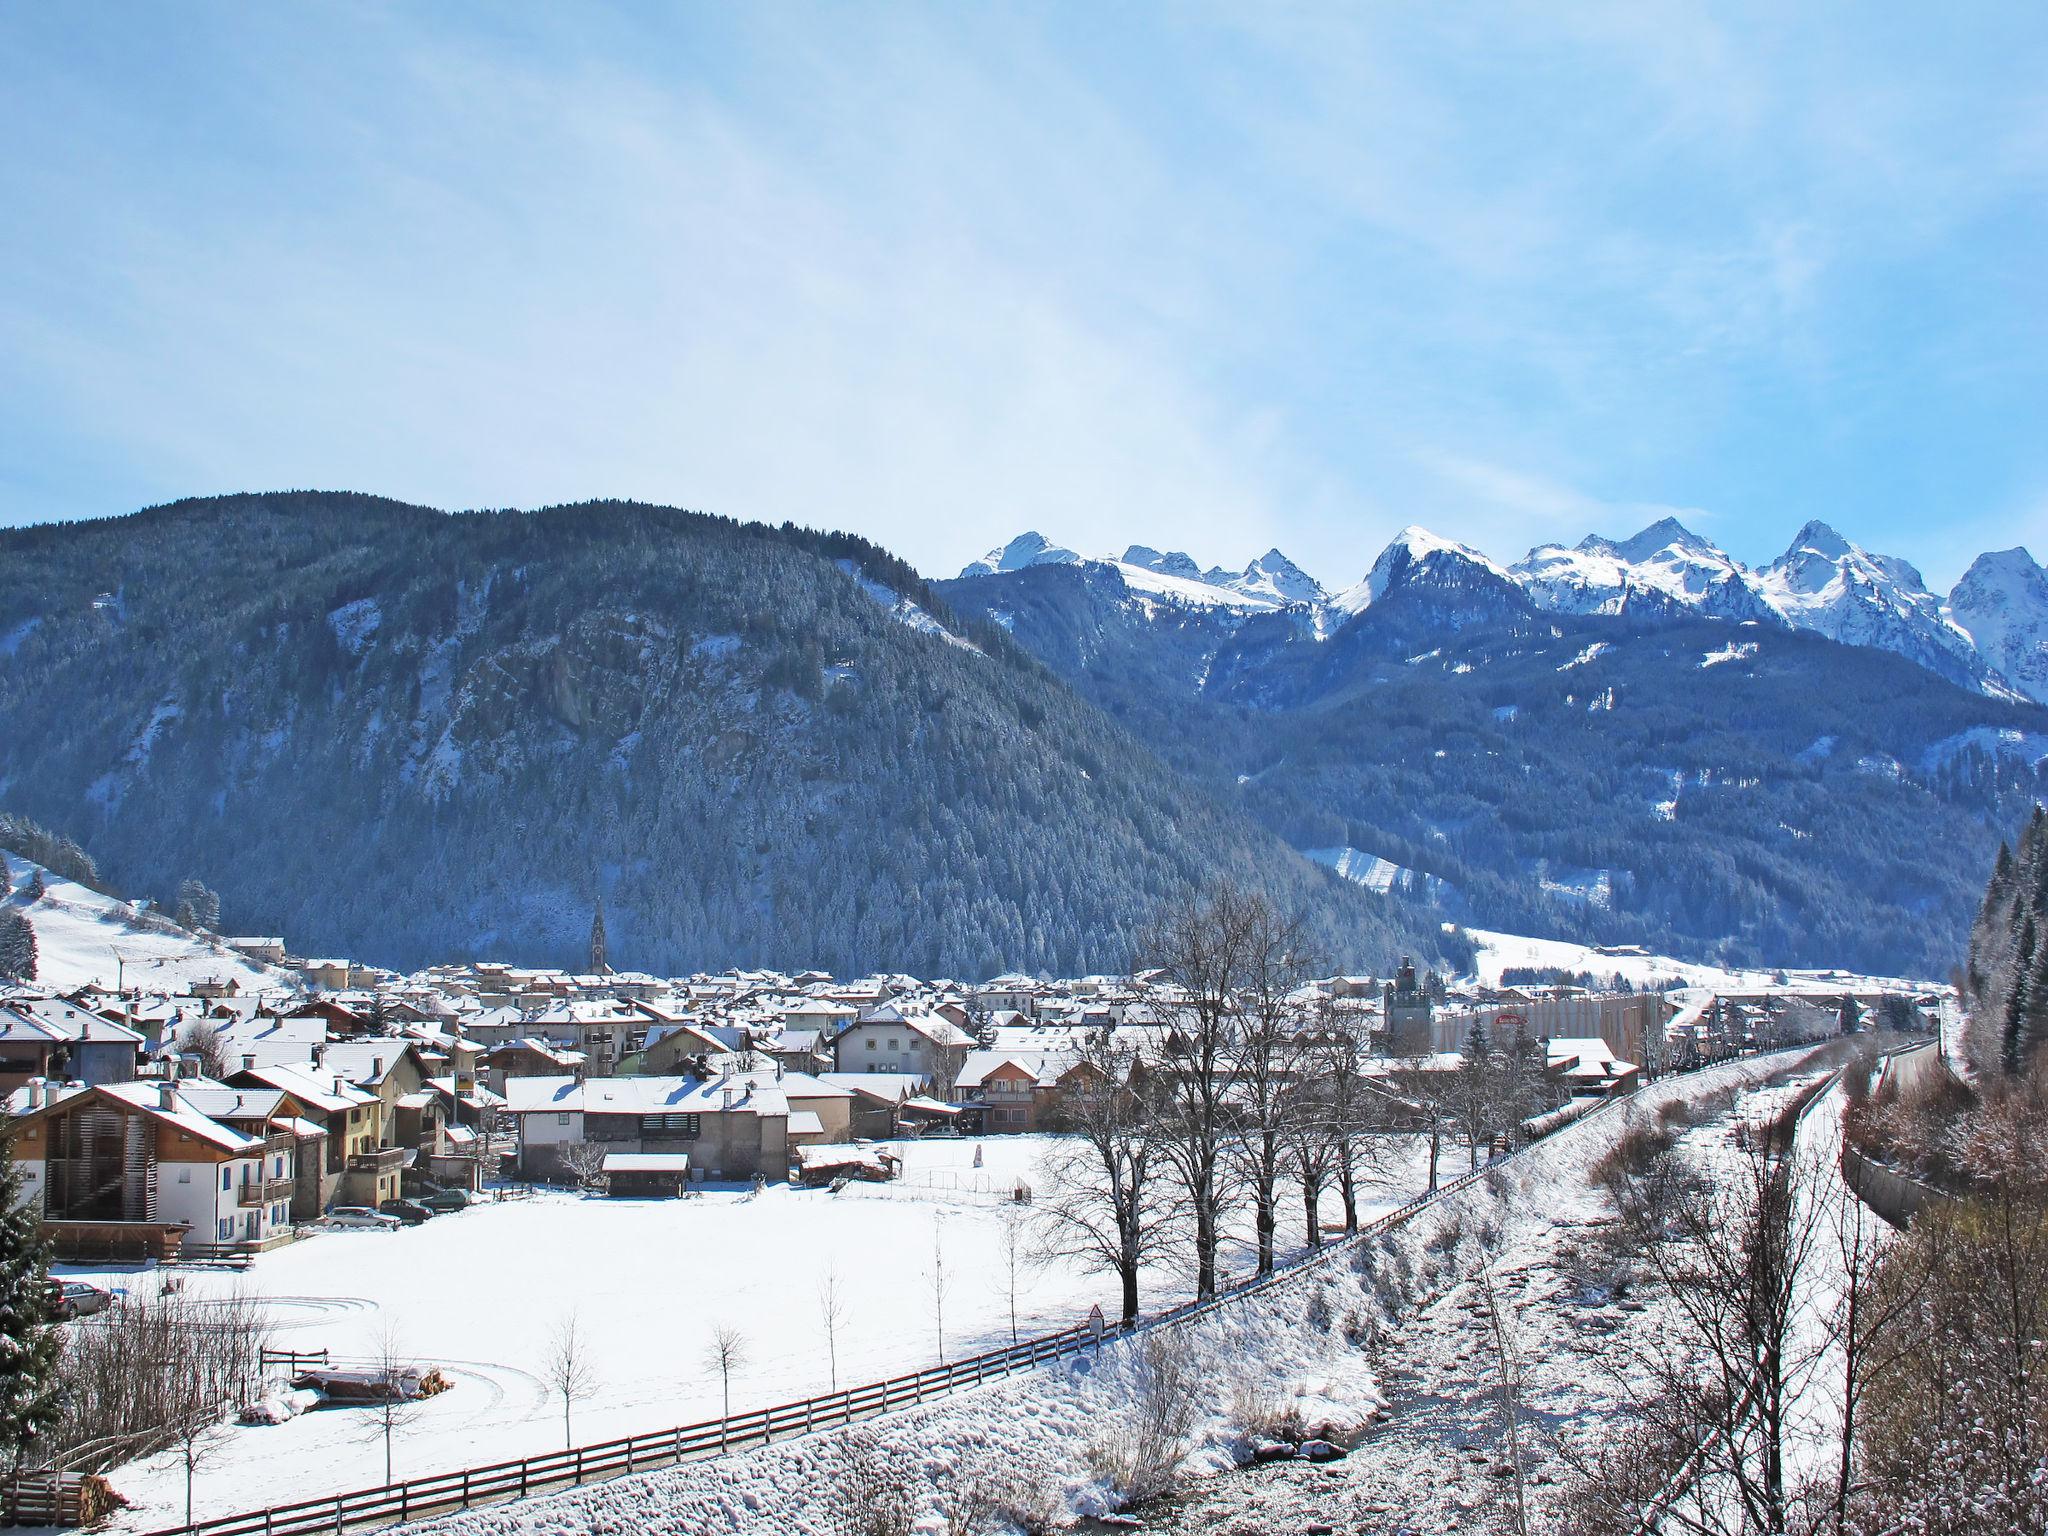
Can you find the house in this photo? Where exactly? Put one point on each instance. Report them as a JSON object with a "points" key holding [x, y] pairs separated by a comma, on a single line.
{"points": [[50, 1038], [675, 1048], [133, 1169], [800, 1050], [392, 1070], [529, 1058], [272, 1114], [327, 975], [1589, 1066], [876, 1102], [1011, 993], [604, 1029], [730, 1128], [829, 1104], [265, 951], [354, 1168], [893, 1039], [1014, 1090]]}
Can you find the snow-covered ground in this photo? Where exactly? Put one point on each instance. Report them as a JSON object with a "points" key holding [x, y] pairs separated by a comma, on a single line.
{"points": [[1500, 951], [1327, 1340], [83, 936], [480, 1292]]}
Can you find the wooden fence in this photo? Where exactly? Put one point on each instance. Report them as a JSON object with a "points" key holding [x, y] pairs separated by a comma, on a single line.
{"points": [[502, 1482]]}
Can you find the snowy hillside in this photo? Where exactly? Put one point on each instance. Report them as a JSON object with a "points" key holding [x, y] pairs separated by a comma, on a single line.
{"points": [[1498, 952], [83, 936]]}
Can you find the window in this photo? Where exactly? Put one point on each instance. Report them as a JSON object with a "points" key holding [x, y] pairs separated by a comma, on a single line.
{"points": [[871, 1042], [227, 1178], [686, 1126], [185, 1174], [561, 1119]]}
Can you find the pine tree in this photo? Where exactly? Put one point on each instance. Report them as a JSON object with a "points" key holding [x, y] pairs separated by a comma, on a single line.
{"points": [[17, 947], [2019, 998], [30, 1392]]}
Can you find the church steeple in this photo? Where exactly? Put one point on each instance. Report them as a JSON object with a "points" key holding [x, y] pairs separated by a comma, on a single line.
{"points": [[599, 965]]}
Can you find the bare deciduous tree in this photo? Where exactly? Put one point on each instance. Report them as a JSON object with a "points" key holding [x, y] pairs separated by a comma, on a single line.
{"points": [[569, 1370], [725, 1353], [832, 1313], [936, 1281], [203, 1044], [397, 1405], [1264, 1061], [1105, 1204], [1202, 949], [585, 1162]]}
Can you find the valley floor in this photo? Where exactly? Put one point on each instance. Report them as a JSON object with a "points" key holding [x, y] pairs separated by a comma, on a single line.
{"points": [[479, 1293]]}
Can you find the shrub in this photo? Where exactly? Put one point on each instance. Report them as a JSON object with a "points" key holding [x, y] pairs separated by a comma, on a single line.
{"points": [[1139, 1452]]}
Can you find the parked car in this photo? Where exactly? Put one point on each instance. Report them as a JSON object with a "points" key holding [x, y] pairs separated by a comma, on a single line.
{"points": [[74, 1298], [411, 1212], [362, 1216], [444, 1200]]}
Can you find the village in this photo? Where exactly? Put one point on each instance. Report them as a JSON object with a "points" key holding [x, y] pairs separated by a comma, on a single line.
{"points": [[408, 1186]]}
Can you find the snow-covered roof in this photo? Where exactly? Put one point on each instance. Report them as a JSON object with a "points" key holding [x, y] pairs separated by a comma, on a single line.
{"points": [[54, 1019], [1044, 1068], [886, 1087], [314, 1086], [180, 1112], [805, 1122], [750, 1095], [646, 1162]]}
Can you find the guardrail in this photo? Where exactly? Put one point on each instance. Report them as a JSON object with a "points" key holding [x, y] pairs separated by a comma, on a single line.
{"points": [[502, 1482]]}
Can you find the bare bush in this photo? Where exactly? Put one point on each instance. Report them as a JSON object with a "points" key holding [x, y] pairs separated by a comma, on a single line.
{"points": [[1138, 1454], [867, 1499], [139, 1371]]}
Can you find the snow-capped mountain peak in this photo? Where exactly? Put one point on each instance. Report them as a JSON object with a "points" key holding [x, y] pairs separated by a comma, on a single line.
{"points": [[1024, 550], [1836, 588], [2002, 601], [1667, 561], [1173, 563], [1417, 555], [1274, 575]]}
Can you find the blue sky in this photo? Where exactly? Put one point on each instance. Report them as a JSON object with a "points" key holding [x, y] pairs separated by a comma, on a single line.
{"points": [[1208, 278]]}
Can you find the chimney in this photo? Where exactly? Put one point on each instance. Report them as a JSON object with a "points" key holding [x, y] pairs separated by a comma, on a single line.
{"points": [[248, 1061], [340, 1087], [376, 1066], [725, 1098], [35, 1093], [320, 1054], [166, 1096]]}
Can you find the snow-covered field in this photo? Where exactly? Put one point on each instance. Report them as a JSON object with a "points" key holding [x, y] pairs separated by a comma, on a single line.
{"points": [[1327, 1341], [479, 1293], [83, 936], [1500, 951]]}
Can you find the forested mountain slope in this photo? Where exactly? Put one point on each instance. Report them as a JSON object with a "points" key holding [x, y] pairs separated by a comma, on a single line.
{"points": [[1747, 793], [412, 736]]}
